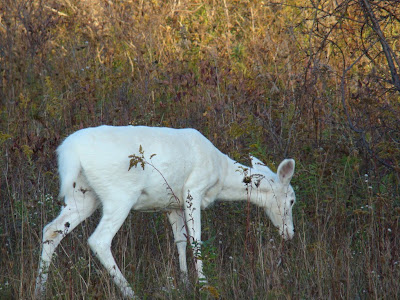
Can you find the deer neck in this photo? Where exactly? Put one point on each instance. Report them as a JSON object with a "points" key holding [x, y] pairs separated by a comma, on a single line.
{"points": [[235, 187]]}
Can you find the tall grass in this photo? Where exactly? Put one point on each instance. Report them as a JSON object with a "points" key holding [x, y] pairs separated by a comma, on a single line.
{"points": [[244, 74]]}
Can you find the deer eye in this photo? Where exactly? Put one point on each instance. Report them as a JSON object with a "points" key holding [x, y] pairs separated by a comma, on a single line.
{"points": [[291, 202]]}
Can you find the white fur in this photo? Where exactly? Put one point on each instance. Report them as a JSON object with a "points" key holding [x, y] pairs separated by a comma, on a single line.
{"points": [[186, 174]]}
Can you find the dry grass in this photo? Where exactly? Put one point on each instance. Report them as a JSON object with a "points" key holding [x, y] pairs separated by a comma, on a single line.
{"points": [[253, 77]]}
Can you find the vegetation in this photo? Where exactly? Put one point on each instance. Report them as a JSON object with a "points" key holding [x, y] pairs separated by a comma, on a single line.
{"points": [[316, 80]]}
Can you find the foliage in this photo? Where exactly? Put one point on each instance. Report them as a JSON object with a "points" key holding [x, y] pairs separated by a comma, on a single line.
{"points": [[303, 79]]}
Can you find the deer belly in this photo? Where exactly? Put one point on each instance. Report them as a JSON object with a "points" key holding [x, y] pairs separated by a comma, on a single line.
{"points": [[157, 200]]}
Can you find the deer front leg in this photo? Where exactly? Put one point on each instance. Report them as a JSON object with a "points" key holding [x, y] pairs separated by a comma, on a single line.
{"points": [[193, 221], [177, 221]]}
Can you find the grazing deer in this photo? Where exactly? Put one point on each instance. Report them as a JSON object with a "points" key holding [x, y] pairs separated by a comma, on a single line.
{"points": [[183, 174]]}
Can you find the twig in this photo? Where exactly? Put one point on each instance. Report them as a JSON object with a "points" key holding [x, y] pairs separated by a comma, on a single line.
{"points": [[369, 14]]}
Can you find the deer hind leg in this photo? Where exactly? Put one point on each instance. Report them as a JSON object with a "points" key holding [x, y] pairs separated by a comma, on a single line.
{"points": [[114, 214], [80, 205], [177, 220]]}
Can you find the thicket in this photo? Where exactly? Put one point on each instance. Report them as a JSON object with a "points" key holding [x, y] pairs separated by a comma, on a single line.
{"points": [[314, 80]]}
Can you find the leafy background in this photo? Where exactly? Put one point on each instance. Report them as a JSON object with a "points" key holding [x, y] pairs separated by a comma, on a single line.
{"points": [[315, 80]]}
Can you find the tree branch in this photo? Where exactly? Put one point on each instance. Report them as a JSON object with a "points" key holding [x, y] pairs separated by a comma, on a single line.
{"points": [[369, 13]]}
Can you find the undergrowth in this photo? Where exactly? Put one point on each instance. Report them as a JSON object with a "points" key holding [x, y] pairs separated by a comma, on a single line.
{"points": [[252, 76]]}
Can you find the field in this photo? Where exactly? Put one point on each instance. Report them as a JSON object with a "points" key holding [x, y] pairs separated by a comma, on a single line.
{"points": [[317, 81]]}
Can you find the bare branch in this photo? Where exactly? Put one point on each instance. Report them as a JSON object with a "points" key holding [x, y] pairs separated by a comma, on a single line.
{"points": [[369, 14]]}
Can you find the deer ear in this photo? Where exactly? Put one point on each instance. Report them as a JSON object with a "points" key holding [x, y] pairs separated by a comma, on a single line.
{"points": [[286, 171], [256, 163]]}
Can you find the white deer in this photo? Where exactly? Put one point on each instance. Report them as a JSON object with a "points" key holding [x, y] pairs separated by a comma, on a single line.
{"points": [[176, 170]]}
